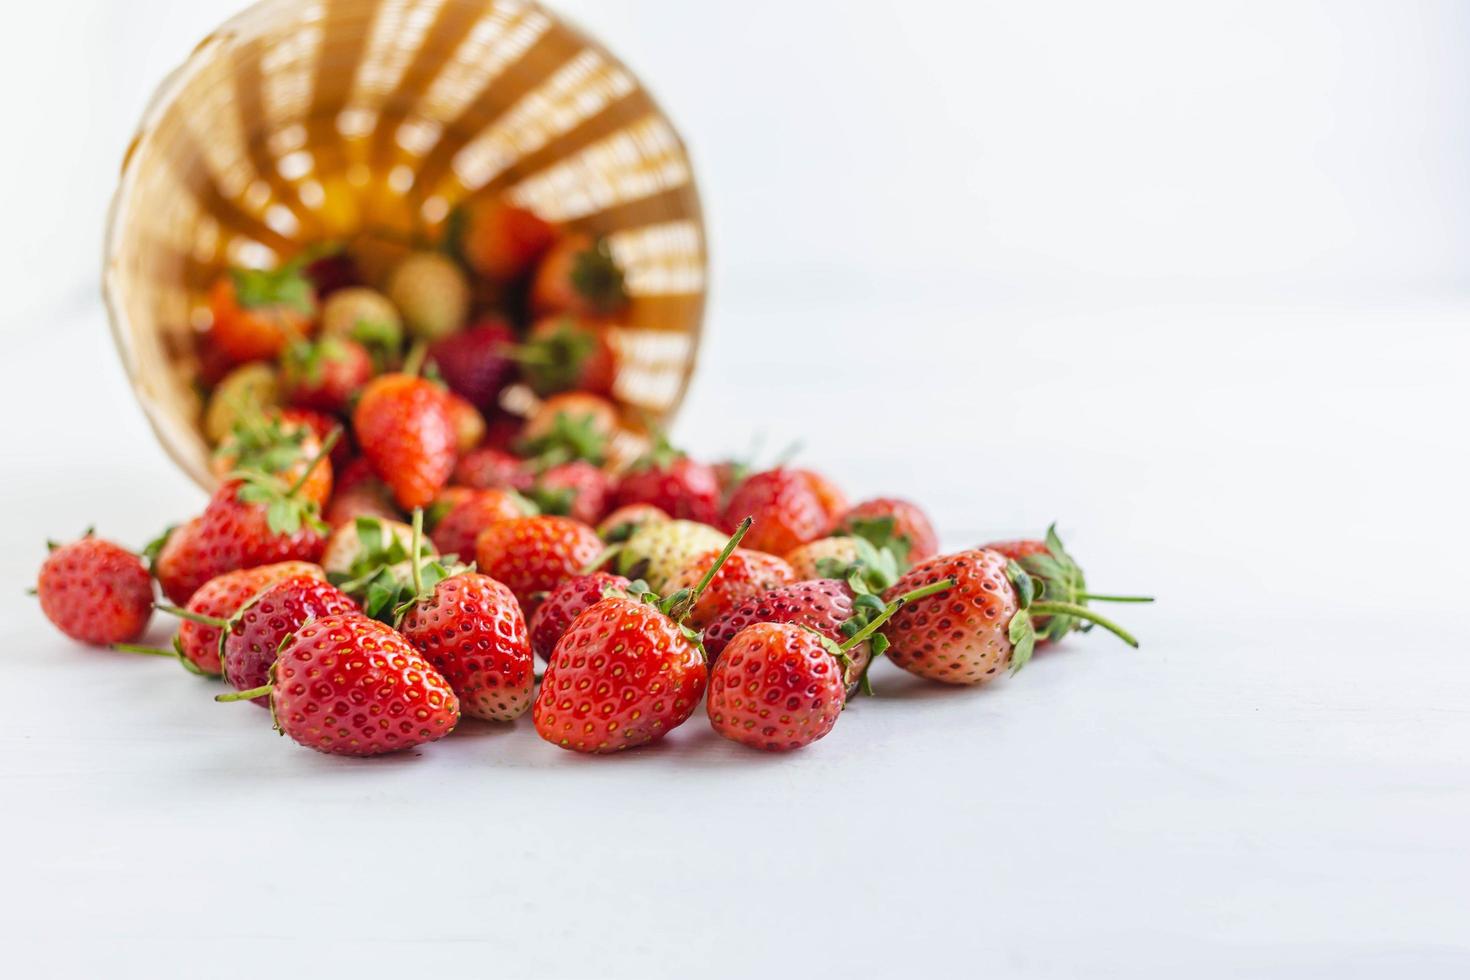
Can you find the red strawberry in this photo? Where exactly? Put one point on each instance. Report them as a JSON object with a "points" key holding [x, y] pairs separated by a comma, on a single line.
{"points": [[578, 490], [565, 353], [493, 469], [474, 363], [579, 275], [324, 426], [468, 512], [1056, 576], [833, 500], [471, 630], [178, 562], [621, 523], [968, 633], [501, 241], [777, 688], [349, 685], [533, 555], [743, 574], [565, 603], [669, 480], [197, 643], [788, 512], [95, 591], [283, 445], [257, 629], [572, 426], [820, 604], [257, 313], [897, 525], [405, 430], [323, 376]]}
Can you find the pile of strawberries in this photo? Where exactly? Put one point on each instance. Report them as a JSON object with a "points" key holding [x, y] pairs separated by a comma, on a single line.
{"points": [[390, 549]]}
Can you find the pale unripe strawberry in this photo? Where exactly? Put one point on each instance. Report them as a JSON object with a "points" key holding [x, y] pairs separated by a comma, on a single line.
{"points": [[656, 552], [364, 315], [248, 390], [431, 293]]}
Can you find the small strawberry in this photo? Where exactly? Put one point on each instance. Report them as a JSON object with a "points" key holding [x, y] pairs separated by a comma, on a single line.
{"points": [[655, 552], [95, 591], [474, 364], [788, 512], [470, 628], [533, 555], [743, 573], [1056, 576], [564, 353], [501, 241], [897, 525], [622, 522], [578, 490], [626, 672], [366, 317], [966, 634], [565, 603], [669, 480], [249, 642], [465, 513], [469, 424], [197, 643], [283, 445], [493, 469], [250, 389], [324, 375], [350, 685], [431, 292], [258, 312], [571, 426], [405, 430], [579, 275]]}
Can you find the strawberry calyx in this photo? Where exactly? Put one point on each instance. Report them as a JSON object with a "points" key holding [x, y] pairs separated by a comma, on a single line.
{"points": [[1058, 578], [263, 441], [553, 362], [286, 511], [286, 287], [375, 578], [597, 277], [661, 454], [425, 571], [571, 437], [869, 612], [306, 359], [1022, 628], [871, 572], [881, 533], [552, 500]]}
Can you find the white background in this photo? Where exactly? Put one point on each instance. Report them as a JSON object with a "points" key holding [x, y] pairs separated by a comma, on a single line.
{"points": [[1191, 278]]}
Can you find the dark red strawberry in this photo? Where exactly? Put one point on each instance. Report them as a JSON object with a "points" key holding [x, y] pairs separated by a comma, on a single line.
{"points": [[493, 469], [474, 363], [324, 375], [897, 525], [533, 555], [565, 603], [470, 628], [255, 632], [788, 512], [350, 685], [405, 430], [465, 513], [578, 490], [95, 591], [669, 480]]}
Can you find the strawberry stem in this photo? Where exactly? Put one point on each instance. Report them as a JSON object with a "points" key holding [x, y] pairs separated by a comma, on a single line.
{"points": [[413, 364], [250, 695], [862, 635], [150, 651], [730, 546], [193, 617], [1114, 598], [328, 444], [1046, 608]]}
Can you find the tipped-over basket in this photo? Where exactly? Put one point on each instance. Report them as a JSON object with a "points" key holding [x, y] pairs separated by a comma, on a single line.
{"points": [[300, 121]]}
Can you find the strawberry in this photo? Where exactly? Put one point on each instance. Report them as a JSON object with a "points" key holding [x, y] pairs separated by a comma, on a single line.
{"points": [[897, 525], [197, 644], [373, 561], [579, 275], [324, 375], [248, 645], [834, 502], [777, 687], [565, 603], [626, 672], [323, 425], [178, 562], [257, 313], [466, 513], [533, 555], [250, 389], [1056, 576], [432, 294], [655, 552], [95, 591], [622, 522], [807, 561], [565, 353], [578, 490], [474, 364], [366, 317], [500, 241], [469, 424], [405, 430], [788, 512], [571, 426], [669, 480], [967, 633], [492, 469], [283, 445], [350, 685], [744, 573], [470, 628]]}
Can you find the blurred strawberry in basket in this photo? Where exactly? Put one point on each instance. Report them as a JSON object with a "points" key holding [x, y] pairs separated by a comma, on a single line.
{"points": [[500, 241], [258, 312], [579, 275]]}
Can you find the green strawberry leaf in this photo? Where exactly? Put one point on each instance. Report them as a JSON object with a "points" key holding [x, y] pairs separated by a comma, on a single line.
{"points": [[1023, 639]]}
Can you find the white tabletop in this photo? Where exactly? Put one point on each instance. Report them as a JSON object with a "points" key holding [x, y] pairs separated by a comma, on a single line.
{"points": [[1275, 783]]}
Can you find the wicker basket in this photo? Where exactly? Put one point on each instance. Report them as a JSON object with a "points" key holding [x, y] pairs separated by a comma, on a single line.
{"points": [[304, 120]]}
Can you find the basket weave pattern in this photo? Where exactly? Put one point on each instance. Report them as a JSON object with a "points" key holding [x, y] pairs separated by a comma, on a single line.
{"points": [[307, 120]]}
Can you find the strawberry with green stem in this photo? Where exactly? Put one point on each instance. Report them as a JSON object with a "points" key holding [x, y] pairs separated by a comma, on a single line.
{"points": [[325, 374], [579, 275], [250, 638], [95, 591], [627, 671], [566, 353], [258, 312], [403, 424]]}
